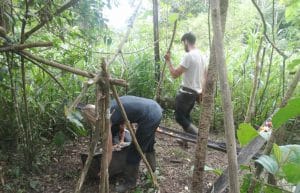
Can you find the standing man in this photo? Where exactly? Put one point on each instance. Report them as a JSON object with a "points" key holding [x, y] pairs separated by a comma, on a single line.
{"points": [[192, 68], [147, 114]]}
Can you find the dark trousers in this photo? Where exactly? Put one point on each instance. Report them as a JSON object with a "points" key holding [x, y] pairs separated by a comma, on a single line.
{"points": [[145, 135], [184, 104]]}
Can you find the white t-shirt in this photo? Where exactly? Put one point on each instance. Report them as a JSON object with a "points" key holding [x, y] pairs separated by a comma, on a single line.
{"points": [[194, 65]]}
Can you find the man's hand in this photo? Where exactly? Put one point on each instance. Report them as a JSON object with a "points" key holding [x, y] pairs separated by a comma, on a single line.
{"points": [[168, 56]]}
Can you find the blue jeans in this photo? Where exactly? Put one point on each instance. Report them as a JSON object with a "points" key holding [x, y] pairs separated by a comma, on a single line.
{"points": [[184, 104]]}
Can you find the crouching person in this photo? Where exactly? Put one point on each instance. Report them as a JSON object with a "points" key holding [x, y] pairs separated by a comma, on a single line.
{"points": [[147, 114]]}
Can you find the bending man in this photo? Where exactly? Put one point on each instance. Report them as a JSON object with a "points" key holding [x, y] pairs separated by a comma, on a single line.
{"points": [[147, 114]]}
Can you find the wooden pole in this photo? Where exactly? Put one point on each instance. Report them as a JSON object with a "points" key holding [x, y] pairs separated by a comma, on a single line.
{"points": [[158, 89], [105, 113]]}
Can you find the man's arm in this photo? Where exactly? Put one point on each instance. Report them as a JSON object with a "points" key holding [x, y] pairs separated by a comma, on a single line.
{"points": [[175, 72]]}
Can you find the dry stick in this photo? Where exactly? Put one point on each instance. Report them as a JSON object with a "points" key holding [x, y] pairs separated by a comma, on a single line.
{"points": [[129, 126], [265, 30], [251, 105], [93, 144], [15, 47], [158, 89], [256, 144], [57, 12], [104, 182], [226, 98]]}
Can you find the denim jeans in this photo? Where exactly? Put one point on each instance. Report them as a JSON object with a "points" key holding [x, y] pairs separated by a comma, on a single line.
{"points": [[184, 104]]}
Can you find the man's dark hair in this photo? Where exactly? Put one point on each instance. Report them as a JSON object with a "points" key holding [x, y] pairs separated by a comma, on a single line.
{"points": [[189, 37]]}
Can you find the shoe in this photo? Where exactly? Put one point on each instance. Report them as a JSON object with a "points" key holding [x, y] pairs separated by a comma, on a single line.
{"points": [[152, 160], [192, 129], [130, 174]]}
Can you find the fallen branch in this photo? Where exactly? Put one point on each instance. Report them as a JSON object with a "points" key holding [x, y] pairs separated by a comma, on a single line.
{"points": [[134, 140], [16, 47]]}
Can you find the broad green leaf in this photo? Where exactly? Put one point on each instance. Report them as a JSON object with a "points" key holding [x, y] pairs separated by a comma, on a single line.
{"points": [[268, 163], [290, 153], [277, 153], [291, 110], [246, 133], [292, 172]]}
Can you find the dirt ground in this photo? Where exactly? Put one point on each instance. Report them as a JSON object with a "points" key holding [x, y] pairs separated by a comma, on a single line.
{"points": [[175, 167]]}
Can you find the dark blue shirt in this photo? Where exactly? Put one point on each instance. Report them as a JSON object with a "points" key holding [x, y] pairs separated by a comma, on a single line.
{"points": [[139, 110]]}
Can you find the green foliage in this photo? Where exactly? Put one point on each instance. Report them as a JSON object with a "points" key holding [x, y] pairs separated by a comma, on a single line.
{"points": [[284, 162], [291, 110], [246, 133]]}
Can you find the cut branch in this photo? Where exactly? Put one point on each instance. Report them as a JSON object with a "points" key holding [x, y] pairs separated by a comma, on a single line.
{"points": [[16, 47], [158, 90]]}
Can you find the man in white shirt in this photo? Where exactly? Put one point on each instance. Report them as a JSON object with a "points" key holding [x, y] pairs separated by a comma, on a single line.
{"points": [[192, 69]]}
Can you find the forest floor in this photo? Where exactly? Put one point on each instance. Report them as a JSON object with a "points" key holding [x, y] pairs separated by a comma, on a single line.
{"points": [[174, 161]]}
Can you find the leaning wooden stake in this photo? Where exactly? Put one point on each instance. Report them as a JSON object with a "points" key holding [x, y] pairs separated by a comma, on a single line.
{"points": [[93, 144], [129, 126], [158, 89]]}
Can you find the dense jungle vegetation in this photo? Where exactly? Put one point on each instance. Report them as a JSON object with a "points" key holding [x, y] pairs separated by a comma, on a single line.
{"points": [[34, 96]]}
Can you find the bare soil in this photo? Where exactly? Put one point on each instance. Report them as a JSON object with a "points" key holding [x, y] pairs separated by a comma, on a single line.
{"points": [[174, 161]]}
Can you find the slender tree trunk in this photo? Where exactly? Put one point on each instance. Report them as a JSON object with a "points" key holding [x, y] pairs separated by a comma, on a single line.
{"points": [[156, 40], [251, 105], [207, 112], [226, 99]]}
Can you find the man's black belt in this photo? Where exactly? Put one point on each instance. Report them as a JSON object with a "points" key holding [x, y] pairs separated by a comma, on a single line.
{"points": [[186, 89]]}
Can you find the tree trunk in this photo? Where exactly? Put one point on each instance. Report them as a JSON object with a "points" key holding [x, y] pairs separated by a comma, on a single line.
{"points": [[207, 113], [156, 40], [226, 98]]}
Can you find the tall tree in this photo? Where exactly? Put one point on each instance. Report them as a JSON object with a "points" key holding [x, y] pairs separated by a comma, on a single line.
{"points": [[156, 40], [207, 112], [226, 98]]}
